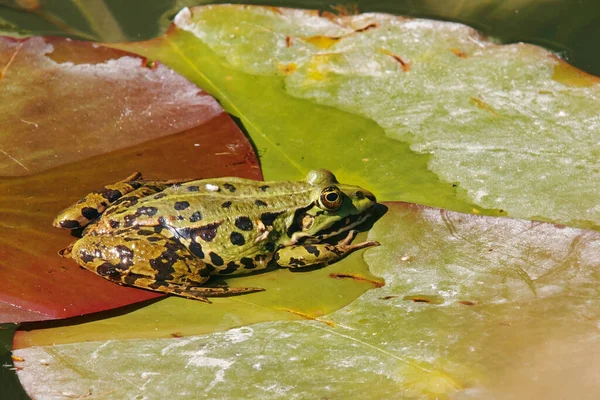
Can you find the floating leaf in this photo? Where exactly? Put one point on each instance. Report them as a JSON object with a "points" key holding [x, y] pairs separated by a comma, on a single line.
{"points": [[291, 135], [511, 295], [66, 104], [66, 101], [510, 127]]}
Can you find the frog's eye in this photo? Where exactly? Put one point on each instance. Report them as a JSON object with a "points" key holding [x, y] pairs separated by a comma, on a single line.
{"points": [[331, 198]]}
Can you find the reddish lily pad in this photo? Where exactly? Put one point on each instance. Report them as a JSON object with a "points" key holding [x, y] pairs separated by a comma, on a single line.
{"points": [[66, 101], [79, 116]]}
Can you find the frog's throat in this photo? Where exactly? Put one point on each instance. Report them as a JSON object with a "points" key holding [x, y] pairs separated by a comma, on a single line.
{"points": [[297, 236]]}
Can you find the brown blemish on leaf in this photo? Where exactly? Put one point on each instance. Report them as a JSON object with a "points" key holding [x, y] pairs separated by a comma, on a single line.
{"points": [[10, 61], [366, 28], [388, 297], [276, 10], [467, 303], [424, 298], [572, 76], [17, 358], [459, 53], [288, 41], [177, 334], [326, 42], [358, 278], [405, 65], [483, 105], [308, 316]]}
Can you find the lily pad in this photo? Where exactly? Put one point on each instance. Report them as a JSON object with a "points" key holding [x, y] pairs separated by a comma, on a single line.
{"points": [[472, 122], [292, 135], [510, 294], [79, 116], [66, 101]]}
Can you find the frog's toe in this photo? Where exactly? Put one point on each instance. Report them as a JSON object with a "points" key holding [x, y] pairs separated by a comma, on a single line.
{"points": [[66, 252], [224, 290]]}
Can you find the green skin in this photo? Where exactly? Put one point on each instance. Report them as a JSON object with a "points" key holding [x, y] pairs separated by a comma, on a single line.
{"points": [[172, 236]]}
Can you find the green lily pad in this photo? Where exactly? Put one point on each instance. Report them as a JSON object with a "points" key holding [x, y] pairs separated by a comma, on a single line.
{"points": [[513, 298], [508, 128], [292, 135]]}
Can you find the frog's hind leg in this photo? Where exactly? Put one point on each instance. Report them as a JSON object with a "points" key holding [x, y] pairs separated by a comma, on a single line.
{"points": [[142, 258], [189, 291], [92, 205]]}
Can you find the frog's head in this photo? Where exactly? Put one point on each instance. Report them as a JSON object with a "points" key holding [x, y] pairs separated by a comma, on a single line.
{"points": [[335, 208]]}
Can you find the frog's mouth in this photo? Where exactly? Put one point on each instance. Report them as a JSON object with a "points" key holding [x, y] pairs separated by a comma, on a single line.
{"points": [[343, 225]]}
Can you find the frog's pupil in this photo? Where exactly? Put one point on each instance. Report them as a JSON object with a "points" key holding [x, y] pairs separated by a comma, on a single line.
{"points": [[332, 197]]}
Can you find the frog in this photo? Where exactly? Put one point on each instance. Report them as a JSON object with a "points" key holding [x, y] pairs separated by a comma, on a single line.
{"points": [[173, 236]]}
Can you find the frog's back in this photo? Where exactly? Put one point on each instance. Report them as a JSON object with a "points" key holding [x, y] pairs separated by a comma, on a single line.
{"points": [[220, 212], [222, 220], [216, 199]]}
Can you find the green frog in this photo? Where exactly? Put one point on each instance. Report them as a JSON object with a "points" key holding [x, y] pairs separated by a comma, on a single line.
{"points": [[172, 236]]}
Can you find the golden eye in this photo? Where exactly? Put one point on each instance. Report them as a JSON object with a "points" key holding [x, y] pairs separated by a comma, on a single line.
{"points": [[331, 198]]}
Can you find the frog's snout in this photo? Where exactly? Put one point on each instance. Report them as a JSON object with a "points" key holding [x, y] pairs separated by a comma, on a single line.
{"points": [[364, 196], [370, 196], [363, 200]]}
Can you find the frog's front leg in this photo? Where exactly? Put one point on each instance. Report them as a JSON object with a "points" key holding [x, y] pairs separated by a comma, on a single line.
{"points": [[321, 253], [142, 258]]}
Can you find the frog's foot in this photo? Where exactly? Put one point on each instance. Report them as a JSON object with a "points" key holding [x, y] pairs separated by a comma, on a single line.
{"points": [[346, 247]]}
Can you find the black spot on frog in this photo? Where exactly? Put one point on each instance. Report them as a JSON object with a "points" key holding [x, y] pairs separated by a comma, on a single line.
{"points": [[229, 187], [181, 205], [215, 259], [237, 239], [231, 268], [244, 223]]}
